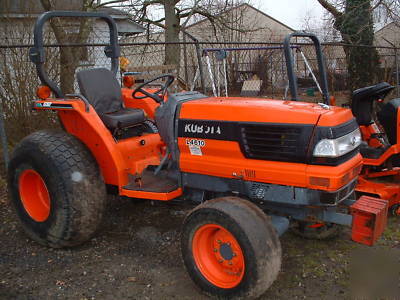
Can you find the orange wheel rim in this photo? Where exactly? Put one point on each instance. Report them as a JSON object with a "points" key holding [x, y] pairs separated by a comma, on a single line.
{"points": [[34, 195], [397, 211], [316, 225], [218, 256]]}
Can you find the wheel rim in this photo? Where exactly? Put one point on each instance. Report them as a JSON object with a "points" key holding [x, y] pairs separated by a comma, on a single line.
{"points": [[218, 256], [34, 195], [316, 225]]}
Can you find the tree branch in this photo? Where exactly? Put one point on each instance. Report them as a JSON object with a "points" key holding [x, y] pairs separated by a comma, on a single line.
{"points": [[95, 6], [329, 7]]}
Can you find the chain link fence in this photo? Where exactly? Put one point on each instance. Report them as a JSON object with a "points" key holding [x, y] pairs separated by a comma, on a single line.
{"points": [[221, 69]]}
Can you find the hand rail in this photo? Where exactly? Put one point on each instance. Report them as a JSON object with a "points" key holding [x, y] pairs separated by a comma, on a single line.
{"points": [[290, 65], [37, 54]]}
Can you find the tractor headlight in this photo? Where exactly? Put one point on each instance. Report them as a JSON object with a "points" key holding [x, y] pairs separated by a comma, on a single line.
{"points": [[338, 147]]}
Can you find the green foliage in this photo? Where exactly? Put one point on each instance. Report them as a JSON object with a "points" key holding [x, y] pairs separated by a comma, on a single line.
{"points": [[357, 28]]}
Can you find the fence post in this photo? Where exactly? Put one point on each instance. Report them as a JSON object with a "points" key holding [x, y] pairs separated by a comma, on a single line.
{"points": [[3, 136]]}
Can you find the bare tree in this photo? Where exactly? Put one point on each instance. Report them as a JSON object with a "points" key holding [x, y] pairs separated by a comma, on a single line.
{"points": [[354, 19], [173, 16], [79, 34], [18, 79]]}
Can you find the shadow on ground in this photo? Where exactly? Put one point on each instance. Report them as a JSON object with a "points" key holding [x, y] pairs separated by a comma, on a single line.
{"points": [[136, 256]]}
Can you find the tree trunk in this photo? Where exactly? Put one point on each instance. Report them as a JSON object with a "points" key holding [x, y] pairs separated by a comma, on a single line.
{"points": [[172, 28], [68, 67], [70, 56]]}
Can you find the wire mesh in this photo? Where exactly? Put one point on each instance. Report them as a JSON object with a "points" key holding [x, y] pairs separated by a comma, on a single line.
{"points": [[258, 68]]}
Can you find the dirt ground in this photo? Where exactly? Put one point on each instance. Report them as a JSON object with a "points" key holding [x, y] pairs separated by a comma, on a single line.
{"points": [[136, 256]]}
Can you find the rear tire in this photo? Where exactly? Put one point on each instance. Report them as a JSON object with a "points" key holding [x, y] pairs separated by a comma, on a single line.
{"points": [[56, 189], [309, 231], [230, 248]]}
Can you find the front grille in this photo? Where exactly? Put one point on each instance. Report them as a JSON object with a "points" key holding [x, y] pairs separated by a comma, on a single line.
{"points": [[274, 142]]}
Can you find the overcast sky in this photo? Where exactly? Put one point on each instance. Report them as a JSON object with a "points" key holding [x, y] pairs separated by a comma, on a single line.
{"points": [[291, 12]]}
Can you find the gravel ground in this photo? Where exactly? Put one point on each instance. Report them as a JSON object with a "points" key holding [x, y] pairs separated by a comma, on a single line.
{"points": [[136, 256]]}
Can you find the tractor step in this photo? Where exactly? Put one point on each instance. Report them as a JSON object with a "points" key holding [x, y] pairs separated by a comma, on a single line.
{"points": [[369, 219], [154, 187]]}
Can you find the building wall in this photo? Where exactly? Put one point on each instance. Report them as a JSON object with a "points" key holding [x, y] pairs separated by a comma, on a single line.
{"points": [[243, 24], [388, 36]]}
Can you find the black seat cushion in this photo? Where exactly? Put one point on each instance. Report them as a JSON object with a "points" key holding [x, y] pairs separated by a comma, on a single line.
{"points": [[362, 101], [123, 118], [103, 91]]}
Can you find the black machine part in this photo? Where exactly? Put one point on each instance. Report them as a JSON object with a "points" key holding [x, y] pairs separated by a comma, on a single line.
{"points": [[155, 95], [37, 54], [363, 98], [290, 65], [387, 117]]}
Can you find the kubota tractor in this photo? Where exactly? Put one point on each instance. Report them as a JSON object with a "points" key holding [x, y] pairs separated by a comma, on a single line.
{"points": [[252, 166]]}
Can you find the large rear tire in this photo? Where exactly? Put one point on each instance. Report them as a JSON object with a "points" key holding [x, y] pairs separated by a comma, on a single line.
{"points": [[230, 248], [56, 189]]}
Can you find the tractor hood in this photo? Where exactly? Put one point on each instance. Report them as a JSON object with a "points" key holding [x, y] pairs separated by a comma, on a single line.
{"points": [[265, 129], [256, 110]]}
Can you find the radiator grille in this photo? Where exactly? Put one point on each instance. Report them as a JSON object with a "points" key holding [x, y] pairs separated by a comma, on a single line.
{"points": [[273, 142]]}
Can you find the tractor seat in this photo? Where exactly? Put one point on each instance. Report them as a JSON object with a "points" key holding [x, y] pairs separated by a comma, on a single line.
{"points": [[362, 101], [103, 92], [123, 118]]}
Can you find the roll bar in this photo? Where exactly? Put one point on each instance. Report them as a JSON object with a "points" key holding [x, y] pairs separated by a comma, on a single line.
{"points": [[37, 54], [290, 65]]}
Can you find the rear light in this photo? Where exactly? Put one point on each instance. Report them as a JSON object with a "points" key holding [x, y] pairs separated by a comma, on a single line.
{"points": [[43, 92], [128, 81]]}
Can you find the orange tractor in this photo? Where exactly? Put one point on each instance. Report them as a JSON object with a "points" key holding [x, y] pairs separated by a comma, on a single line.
{"points": [[379, 124], [380, 147], [251, 165]]}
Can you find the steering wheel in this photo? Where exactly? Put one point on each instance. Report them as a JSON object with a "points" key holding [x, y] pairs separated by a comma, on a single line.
{"points": [[155, 95]]}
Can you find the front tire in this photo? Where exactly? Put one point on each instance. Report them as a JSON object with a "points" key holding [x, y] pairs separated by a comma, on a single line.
{"points": [[56, 189], [395, 210], [230, 248]]}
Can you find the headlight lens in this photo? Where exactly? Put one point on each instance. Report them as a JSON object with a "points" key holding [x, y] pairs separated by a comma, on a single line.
{"points": [[339, 146]]}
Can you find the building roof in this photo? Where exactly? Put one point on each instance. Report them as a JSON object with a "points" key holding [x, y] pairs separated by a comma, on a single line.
{"points": [[387, 26], [238, 7], [33, 8]]}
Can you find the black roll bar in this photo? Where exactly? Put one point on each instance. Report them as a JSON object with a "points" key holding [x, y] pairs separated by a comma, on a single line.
{"points": [[290, 65], [37, 54]]}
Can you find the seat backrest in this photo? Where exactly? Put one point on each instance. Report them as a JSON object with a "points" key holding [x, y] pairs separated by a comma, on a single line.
{"points": [[387, 117], [362, 101], [101, 88]]}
